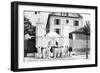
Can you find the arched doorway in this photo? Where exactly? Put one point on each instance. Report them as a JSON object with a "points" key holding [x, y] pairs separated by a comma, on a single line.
{"points": [[53, 42], [53, 39]]}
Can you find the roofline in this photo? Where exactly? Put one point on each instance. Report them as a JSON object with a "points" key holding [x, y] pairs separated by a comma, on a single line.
{"points": [[65, 16], [77, 32]]}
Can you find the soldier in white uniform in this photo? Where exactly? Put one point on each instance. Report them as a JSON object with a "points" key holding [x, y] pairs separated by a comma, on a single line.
{"points": [[63, 50], [39, 53], [48, 52], [44, 52]]}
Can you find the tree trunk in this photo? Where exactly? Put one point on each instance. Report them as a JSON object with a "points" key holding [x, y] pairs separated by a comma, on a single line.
{"points": [[87, 46]]}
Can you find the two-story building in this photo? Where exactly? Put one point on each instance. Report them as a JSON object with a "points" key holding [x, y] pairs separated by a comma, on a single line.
{"points": [[58, 28]]}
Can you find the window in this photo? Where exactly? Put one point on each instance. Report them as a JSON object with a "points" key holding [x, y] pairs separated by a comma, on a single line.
{"points": [[70, 36], [63, 13], [57, 21], [67, 14], [76, 23], [57, 31], [67, 21]]}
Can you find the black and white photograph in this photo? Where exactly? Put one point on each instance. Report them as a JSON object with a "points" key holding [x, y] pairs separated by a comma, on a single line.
{"points": [[56, 36], [53, 36]]}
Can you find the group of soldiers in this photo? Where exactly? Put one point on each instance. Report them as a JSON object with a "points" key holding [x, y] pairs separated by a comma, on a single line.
{"points": [[53, 52], [45, 52]]}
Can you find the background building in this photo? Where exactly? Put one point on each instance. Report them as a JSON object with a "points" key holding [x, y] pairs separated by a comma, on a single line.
{"points": [[63, 24], [60, 28]]}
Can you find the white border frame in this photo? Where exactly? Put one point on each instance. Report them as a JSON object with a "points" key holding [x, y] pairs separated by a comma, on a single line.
{"points": [[21, 64]]}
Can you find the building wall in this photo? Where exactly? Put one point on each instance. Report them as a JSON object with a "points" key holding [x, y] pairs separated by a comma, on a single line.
{"points": [[40, 32], [80, 36], [66, 28], [80, 43], [40, 29], [80, 46]]}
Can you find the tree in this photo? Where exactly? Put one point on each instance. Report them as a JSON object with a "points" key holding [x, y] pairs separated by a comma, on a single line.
{"points": [[30, 43], [86, 31], [28, 27]]}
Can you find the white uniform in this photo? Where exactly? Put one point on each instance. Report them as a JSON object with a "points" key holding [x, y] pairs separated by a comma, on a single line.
{"points": [[48, 52], [57, 52], [39, 52], [44, 53], [63, 50]]}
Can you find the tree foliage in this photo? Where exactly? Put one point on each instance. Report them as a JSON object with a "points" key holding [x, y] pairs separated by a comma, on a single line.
{"points": [[28, 27], [86, 28]]}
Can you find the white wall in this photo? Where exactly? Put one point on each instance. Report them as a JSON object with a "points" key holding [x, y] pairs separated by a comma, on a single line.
{"points": [[65, 28], [5, 17]]}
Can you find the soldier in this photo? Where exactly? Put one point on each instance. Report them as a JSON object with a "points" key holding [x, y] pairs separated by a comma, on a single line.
{"points": [[39, 53], [70, 50], [48, 52], [63, 51]]}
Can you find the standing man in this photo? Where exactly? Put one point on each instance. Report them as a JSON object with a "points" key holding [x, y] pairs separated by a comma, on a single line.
{"points": [[70, 50], [48, 52], [39, 53]]}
